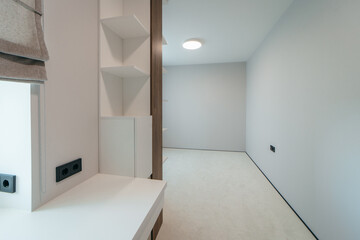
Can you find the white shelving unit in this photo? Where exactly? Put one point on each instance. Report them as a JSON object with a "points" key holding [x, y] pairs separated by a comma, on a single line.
{"points": [[125, 120]]}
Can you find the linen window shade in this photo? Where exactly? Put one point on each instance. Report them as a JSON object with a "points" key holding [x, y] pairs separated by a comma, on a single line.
{"points": [[22, 47]]}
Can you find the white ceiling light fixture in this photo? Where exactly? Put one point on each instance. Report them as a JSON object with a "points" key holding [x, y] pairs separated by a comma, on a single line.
{"points": [[192, 44]]}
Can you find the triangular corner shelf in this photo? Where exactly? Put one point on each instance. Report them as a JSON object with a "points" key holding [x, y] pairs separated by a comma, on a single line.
{"points": [[125, 71], [126, 26]]}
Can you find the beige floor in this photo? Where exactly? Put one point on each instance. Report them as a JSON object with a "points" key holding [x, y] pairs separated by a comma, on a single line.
{"points": [[237, 204]]}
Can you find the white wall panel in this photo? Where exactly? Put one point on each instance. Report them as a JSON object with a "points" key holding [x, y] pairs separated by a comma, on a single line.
{"points": [[204, 106], [72, 126], [303, 96]]}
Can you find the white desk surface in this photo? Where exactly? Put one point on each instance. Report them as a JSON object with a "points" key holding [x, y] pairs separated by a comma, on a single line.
{"points": [[102, 208]]}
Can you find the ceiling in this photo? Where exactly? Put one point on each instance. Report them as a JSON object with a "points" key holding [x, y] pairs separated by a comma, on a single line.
{"points": [[231, 30]]}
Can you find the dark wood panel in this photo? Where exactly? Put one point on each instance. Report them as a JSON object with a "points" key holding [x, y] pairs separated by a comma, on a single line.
{"points": [[156, 95], [156, 85], [157, 226]]}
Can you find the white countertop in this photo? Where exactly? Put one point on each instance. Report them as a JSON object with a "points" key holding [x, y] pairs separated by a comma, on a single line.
{"points": [[103, 207]]}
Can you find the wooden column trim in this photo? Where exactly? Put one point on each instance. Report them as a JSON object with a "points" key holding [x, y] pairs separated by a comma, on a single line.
{"points": [[156, 95]]}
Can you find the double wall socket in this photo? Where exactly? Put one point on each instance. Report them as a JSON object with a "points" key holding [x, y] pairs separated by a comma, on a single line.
{"points": [[68, 169], [7, 183]]}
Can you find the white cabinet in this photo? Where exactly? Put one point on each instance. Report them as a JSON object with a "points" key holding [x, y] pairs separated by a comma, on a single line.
{"points": [[124, 57], [126, 148], [143, 147]]}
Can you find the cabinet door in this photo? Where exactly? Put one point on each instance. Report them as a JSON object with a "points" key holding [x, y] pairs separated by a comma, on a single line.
{"points": [[143, 147], [117, 146]]}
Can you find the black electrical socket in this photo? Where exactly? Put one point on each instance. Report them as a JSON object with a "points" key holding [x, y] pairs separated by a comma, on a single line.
{"points": [[68, 169], [272, 148], [7, 183]]}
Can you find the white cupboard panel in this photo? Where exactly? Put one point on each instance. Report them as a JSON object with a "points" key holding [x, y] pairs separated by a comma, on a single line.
{"points": [[117, 149], [143, 147]]}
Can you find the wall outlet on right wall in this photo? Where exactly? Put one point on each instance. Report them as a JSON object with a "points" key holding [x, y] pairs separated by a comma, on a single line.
{"points": [[272, 148]]}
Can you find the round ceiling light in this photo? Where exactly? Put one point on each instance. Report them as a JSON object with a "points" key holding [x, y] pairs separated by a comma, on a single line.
{"points": [[192, 44]]}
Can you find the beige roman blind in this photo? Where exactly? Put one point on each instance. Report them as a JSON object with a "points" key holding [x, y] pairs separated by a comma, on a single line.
{"points": [[22, 47]]}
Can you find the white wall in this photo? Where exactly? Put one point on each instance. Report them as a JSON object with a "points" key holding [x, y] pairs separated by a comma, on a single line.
{"points": [[303, 96], [15, 142], [204, 106], [71, 34]]}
